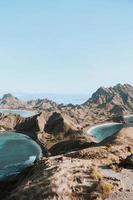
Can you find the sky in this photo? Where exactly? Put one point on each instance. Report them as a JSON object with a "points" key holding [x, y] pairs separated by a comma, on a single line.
{"points": [[65, 47]]}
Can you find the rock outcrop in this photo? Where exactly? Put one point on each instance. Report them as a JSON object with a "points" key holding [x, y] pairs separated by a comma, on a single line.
{"points": [[61, 124], [8, 122], [43, 105], [128, 162], [118, 119], [32, 125]]}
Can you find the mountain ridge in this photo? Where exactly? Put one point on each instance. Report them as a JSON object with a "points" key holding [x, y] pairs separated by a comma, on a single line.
{"points": [[111, 97], [118, 98]]}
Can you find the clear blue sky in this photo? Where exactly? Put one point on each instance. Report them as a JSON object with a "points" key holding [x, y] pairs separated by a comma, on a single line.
{"points": [[65, 46]]}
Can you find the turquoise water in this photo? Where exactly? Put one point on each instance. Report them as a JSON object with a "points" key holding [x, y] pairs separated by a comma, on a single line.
{"points": [[23, 113], [16, 152], [103, 131]]}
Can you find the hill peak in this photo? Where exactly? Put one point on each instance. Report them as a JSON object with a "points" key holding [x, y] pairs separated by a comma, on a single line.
{"points": [[113, 97], [8, 95]]}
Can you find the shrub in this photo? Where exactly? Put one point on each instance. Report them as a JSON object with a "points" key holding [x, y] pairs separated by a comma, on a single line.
{"points": [[95, 173], [105, 188]]}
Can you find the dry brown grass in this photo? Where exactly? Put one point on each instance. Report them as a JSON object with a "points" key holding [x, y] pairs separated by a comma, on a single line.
{"points": [[101, 189], [105, 188], [95, 173]]}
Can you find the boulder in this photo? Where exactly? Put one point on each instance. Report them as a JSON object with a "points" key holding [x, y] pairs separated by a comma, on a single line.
{"points": [[118, 118], [128, 162]]}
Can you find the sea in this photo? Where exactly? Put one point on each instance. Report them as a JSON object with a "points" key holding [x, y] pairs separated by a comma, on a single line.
{"points": [[58, 98], [16, 152]]}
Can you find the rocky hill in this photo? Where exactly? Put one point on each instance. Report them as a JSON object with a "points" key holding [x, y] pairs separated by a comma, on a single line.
{"points": [[114, 99], [42, 105], [93, 173], [86, 170], [8, 101], [103, 104]]}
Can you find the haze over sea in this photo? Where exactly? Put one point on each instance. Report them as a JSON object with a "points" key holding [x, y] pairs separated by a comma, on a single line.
{"points": [[58, 98]]}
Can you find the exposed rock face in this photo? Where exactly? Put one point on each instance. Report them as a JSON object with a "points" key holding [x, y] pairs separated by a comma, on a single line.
{"points": [[102, 95], [43, 104], [8, 122], [128, 162], [42, 126], [51, 123], [32, 124], [118, 119], [55, 124], [59, 123], [115, 99], [102, 106]]}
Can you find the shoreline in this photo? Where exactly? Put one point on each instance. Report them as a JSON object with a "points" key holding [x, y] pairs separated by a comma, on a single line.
{"points": [[105, 124], [99, 125], [29, 113], [89, 132]]}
